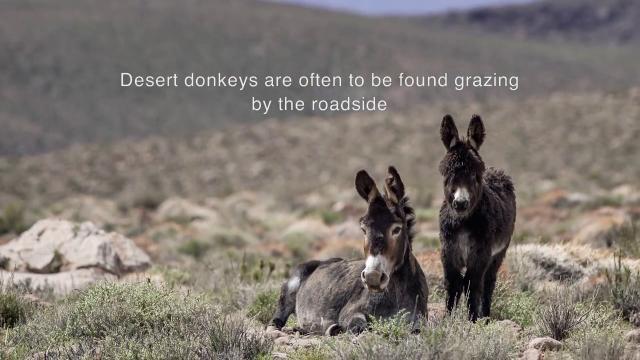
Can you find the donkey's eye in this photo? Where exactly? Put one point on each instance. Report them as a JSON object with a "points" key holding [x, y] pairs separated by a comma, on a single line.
{"points": [[396, 230]]}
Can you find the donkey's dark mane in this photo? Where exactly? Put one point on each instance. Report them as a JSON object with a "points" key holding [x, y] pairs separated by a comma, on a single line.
{"points": [[462, 159], [410, 217], [404, 209]]}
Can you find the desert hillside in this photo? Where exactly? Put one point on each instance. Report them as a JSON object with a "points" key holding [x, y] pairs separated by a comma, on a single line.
{"points": [[611, 22], [63, 63], [161, 224]]}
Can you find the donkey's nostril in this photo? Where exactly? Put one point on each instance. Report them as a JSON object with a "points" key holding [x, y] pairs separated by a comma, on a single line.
{"points": [[383, 278], [362, 276]]}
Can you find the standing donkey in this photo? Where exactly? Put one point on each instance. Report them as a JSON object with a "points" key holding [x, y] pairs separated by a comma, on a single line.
{"points": [[477, 218], [339, 295]]}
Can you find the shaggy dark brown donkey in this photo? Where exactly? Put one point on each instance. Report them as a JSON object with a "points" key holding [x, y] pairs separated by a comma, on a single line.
{"points": [[336, 295], [477, 218]]}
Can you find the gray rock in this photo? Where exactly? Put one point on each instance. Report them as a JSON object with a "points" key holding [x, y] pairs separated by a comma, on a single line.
{"points": [[633, 336], [532, 354], [59, 283], [544, 344], [51, 246]]}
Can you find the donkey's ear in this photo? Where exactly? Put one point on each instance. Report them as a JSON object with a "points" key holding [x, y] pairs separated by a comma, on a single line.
{"points": [[366, 186], [393, 186], [476, 133], [449, 132]]}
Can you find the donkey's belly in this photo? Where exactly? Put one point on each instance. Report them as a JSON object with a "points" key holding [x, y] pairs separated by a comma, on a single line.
{"points": [[324, 295]]}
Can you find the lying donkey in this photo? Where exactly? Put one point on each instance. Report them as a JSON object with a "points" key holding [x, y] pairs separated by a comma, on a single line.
{"points": [[477, 218], [339, 295]]}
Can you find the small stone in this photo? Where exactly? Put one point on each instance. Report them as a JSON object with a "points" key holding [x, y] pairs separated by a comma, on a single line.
{"points": [[284, 340], [532, 354], [544, 344], [274, 333], [633, 336]]}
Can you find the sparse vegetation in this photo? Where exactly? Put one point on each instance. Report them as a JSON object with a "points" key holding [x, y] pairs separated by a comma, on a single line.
{"points": [[560, 316], [13, 308], [195, 248], [12, 219], [513, 304], [263, 306], [624, 288], [136, 321]]}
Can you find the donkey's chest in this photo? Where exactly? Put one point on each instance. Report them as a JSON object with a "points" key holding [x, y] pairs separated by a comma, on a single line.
{"points": [[468, 246]]}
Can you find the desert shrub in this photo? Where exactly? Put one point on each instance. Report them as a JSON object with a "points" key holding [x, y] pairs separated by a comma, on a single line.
{"points": [[12, 219], [233, 336], [330, 217], [299, 244], [511, 304], [136, 321], [624, 289], [453, 337], [175, 277], [263, 306], [559, 316], [310, 353], [13, 309], [627, 239], [602, 346], [393, 328], [195, 248]]}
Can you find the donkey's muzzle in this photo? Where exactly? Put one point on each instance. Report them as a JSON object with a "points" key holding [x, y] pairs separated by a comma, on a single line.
{"points": [[460, 205], [374, 280]]}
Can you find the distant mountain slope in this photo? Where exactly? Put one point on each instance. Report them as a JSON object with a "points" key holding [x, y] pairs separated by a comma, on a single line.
{"points": [[594, 21], [61, 63], [583, 142]]}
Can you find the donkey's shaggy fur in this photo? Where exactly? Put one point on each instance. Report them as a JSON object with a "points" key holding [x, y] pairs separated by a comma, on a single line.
{"points": [[335, 295], [477, 218]]}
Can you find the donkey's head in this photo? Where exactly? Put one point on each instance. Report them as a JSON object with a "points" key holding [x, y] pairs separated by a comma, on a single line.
{"points": [[462, 166], [387, 227]]}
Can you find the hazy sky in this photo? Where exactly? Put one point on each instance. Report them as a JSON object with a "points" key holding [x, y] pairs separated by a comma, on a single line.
{"points": [[399, 6]]}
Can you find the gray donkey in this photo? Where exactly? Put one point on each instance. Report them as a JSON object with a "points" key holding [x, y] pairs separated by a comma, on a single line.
{"points": [[339, 295], [477, 218]]}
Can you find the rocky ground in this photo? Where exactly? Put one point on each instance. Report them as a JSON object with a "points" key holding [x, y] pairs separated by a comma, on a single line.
{"points": [[234, 251]]}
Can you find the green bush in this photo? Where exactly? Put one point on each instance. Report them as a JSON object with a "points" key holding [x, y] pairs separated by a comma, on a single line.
{"points": [[195, 248], [136, 321], [393, 328], [12, 220], [13, 309], [331, 217], [511, 304], [264, 306]]}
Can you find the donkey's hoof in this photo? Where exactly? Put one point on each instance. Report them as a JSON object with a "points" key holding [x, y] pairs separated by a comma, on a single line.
{"points": [[333, 330]]}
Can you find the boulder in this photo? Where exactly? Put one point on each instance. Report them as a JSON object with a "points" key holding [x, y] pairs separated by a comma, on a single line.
{"points": [[52, 246], [545, 344], [59, 283]]}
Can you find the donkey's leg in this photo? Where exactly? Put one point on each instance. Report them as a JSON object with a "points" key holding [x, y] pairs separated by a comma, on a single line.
{"points": [[475, 278], [453, 283], [357, 323], [490, 282]]}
